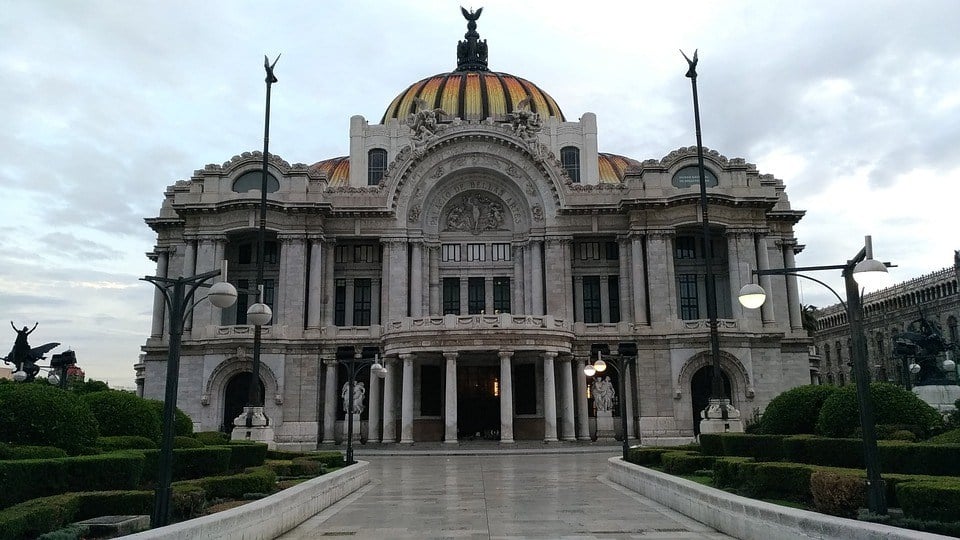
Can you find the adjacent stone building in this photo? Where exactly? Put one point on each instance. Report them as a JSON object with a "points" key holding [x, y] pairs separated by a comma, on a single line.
{"points": [[480, 243]]}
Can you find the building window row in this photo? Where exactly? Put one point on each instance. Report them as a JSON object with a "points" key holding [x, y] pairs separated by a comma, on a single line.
{"points": [[475, 252], [591, 251], [357, 253], [476, 295]]}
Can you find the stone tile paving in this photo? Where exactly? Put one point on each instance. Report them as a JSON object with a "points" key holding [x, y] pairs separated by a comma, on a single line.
{"points": [[497, 496]]}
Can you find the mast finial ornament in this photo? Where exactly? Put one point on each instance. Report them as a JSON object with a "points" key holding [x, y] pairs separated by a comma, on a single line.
{"points": [[472, 52]]}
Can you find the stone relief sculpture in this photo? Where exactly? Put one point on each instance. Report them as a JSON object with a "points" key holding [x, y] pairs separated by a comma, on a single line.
{"points": [[526, 123], [475, 214], [358, 394], [603, 394], [424, 122]]}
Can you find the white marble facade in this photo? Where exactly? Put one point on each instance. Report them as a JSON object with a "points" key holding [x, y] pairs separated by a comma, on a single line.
{"points": [[485, 268]]}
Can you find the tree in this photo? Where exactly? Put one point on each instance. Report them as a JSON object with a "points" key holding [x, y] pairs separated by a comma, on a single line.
{"points": [[808, 318]]}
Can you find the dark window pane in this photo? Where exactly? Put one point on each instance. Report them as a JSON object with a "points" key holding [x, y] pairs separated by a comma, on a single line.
{"points": [[570, 159], [254, 180], [685, 247], [361, 302], [271, 252], [376, 165], [501, 295], [525, 381], [430, 397], [245, 253], [476, 295], [689, 298], [612, 251], [243, 301], [591, 299], [340, 303], [451, 296], [613, 288]]}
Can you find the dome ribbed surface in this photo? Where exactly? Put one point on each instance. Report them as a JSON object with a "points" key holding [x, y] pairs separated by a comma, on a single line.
{"points": [[473, 95], [336, 169], [613, 167]]}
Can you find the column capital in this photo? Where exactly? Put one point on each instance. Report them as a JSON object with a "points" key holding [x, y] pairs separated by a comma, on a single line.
{"points": [[316, 238], [329, 362], [388, 360], [211, 237], [661, 234], [451, 355], [291, 237], [564, 358], [505, 354], [407, 356], [550, 354]]}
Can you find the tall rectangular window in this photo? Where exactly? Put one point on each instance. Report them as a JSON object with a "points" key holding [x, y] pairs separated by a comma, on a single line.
{"points": [[340, 302], [588, 250], [243, 301], [450, 252], [689, 297], [245, 253], [591, 299], [612, 251], [570, 159], [500, 252], [271, 252], [525, 376], [269, 292], [685, 247], [613, 291], [361, 302], [501, 294], [476, 295], [431, 381], [341, 254], [451, 296], [366, 253], [476, 252], [376, 165]]}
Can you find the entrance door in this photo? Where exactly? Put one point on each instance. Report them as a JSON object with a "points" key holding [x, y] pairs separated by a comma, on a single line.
{"points": [[478, 402], [235, 397], [700, 388]]}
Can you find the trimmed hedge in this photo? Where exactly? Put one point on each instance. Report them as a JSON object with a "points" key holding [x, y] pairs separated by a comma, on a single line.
{"points": [[44, 415], [295, 467], [930, 499], [212, 438], [123, 413], [824, 451], [771, 480], [38, 516], [30, 452], [840, 414], [728, 471], [796, 410], [182, 424], [947, 437], [685, 462], [647, 456], [186, 442], [28, 479], [246, 454], [124, 442], [189, 463], [254, 480], [711, 444]]}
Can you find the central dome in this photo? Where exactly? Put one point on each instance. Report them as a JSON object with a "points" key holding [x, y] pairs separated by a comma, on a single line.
{"points": [[472, 95], [472, 92]]}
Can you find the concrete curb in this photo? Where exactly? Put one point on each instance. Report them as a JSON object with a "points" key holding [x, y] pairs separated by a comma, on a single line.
{"points": [[271, 516], [745, 518]]}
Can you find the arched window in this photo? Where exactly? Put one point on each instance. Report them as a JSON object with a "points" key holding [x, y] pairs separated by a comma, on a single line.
{"points": [[254, 180], [570, 159], [376, 165]]}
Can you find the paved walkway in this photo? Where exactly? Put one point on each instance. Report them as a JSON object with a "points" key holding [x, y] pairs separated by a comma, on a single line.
{"points": [[496, 496]]}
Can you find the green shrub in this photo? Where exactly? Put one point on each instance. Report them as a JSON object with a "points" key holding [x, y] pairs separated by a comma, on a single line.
{"points": [[647, 456], [44, 415], [246, 454], [727, 471], [824, 451], [796, 410], [947, 437], [188, 463], [330, 460], [28, 479], [837, 494], [285, 454], [211, 438], [30, 452], [919, 458], [761, 447], [88, 387], [840, 414], [123, 413], [186, 442], [255, 480], [182, 424], [188, 501], [70, 532], [684, 462], [902, 435], [930, 499], [38, 516], [124, 442], [771, 480], [711, 444]]}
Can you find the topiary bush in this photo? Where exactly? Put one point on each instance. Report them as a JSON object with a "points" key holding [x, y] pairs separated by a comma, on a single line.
{"points": [[124, 442], [840, 414], [837, 494], [123, 413], [947, 437], [186, 442], [30, 452], [212, 438], [44, 415], [182, 424], [796, 410], [930, 499]]}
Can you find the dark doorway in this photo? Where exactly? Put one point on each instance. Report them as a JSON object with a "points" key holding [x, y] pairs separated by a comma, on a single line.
{"points": [[478, 402], [235, 397], [700, 387]]}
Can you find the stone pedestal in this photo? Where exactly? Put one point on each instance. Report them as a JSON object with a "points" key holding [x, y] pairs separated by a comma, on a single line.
{"points": [[259, 429], [605, 431], [939, 396], [714, 421], [345, 427]]}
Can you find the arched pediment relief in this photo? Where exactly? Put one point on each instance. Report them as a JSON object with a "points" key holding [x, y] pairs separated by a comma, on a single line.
{"points": [[475, 203], [740, 383], [483, 150], [245, 159], [473, 212], [224, 371]]}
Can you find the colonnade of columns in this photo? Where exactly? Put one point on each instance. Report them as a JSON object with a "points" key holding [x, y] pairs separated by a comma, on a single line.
{"points": [[573, 415]]}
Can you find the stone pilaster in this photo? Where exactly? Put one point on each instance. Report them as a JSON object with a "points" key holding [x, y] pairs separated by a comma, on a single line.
{"points": [[328, 283], [416, 279], [398, 280], [450, 399], [663, 301], [623, 281], [763, 263], [519, 281], [549, 398], [567, 244], [793, 291], [315, 287], [536, 267], [159, 304], [390, 401], [557, 289], [190, 269], [506, 396], [604, 299], [638, 280], [330, 401], [375, 301], [203, 313], [566, 400], [292, 282], [373, 413], [433, 252], [406, 400], [583, 418], [578, 298], [628, 396]]}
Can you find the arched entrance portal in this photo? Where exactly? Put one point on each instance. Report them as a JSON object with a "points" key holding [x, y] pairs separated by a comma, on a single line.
{"points": [[700, 389], [235, 397], [478, 402]]}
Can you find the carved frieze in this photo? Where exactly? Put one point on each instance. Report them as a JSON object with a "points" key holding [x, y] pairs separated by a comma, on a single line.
{"points": [[474, 213]]}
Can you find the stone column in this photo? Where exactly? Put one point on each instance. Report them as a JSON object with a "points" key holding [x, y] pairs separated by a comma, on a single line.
{"points": [[527, 279], [733, 271], [488, 295], [566, 400], [375, 301], [583, 418], [315, 286], [291, 284], [330, 402], [660, 259], [348, 303], [519, 279], [384, 289], [568, 280], [628, 396], [190, 269], [327, 295], [373, 413], [406, 400], [763, 263], [506, 397], [578, 298], [536, 276], [793, 294], [450, 399], [549, 398], [556, 285], [398, 279], [638, 280], [604, 299], [206, 261], [390, 401], [434, 254], [416, 279], [159, 304], [623, 281]]}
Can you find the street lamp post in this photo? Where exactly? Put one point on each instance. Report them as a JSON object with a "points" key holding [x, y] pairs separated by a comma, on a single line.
{"points": [[178, 294], [619, 362], [354, 365], [865, 270]]}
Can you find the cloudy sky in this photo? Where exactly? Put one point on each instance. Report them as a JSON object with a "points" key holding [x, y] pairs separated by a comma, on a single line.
{"points": [[855, 105]]}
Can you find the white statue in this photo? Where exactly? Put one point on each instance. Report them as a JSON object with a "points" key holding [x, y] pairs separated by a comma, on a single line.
{"points": [[603, 394], [358, 394]]}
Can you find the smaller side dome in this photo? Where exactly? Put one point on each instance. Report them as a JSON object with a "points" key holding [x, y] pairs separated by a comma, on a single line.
{"points": [[613, 167], [337, 170]]}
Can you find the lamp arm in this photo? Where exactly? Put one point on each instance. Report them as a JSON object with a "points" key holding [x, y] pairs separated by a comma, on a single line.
{"points": [[798, 274]]}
